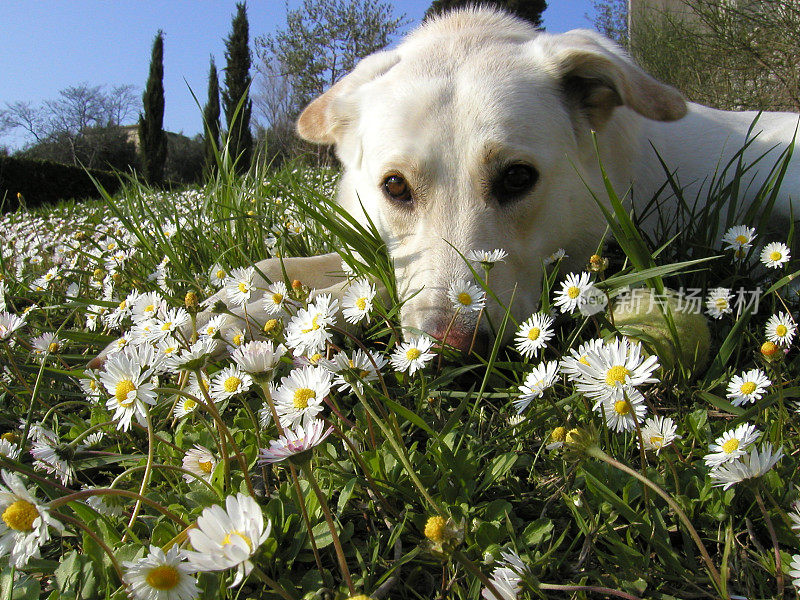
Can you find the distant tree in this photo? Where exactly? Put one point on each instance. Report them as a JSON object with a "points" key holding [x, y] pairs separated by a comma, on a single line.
{"points": [[80, 127], [211, 114], [530, 10], [731, 55], [185, 158], [611, 19], [322, 41], [236, 95], [152, 138]]}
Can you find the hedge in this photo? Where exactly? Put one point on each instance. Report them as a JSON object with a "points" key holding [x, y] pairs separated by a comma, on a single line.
{"points": [[44, 182]]}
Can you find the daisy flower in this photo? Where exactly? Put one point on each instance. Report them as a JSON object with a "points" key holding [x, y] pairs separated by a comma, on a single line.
{"points": [[614, 369], [258, 357], [623, 413], [533, 334], [748, 387], [507, 578], [213, 326], [25, 523], [173, 319], [9, 324], [557, 438], [487, 257], [217, 275], [294, 442], [572, 291], [147, 306], [357, 301], [275, 298], [53, 458], [192, 358], [794, 570], [160, 576], [739, 237], [229, 382], [129, 387], [754, 464], [184, 406], [47, 343], [300, 394], [9, 449], [227, 538], [775, 254], [466, 296], [555, 257], [308, 331], [781, 329], [412, 355], [536, 382], [569, 364], [239, 285], [200, 461], [718, 302], [355, 369], [731, 445], [658, 433]]}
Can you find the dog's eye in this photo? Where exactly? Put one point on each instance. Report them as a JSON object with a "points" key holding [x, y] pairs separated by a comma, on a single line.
{"points": [[397, 188], [514, 181]]}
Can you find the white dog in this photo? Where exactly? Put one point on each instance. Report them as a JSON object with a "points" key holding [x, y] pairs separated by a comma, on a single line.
{"points": [[475, 133]]}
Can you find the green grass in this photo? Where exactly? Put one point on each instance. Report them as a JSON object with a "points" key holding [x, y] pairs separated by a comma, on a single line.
{"points": [[445, 439]]}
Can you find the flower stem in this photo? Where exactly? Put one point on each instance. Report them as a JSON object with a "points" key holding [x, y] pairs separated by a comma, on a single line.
{"points": [[147, 471], [109, 492], [596, 452], [337, 544], [277, 588], [473, 568], [774, 538], [97, 539], [587, 588]]}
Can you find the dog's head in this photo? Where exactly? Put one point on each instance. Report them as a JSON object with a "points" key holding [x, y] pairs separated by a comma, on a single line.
{"points": [[474, 133]]}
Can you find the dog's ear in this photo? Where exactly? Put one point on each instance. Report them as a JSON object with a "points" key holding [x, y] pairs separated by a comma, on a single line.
{"points": [[323, 120], [597, 76]]}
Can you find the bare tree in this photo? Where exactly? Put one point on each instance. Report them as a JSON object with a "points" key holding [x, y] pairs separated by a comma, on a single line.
{"points": [[76, 127]]}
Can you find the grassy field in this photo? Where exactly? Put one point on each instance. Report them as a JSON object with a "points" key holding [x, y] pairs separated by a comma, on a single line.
{"points": [[644, 451]]}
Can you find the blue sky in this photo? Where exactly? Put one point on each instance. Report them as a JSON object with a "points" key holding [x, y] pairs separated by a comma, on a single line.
{"points": [[49, 45]]}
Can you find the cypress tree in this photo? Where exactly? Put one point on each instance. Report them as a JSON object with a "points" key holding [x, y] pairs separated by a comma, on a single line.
{"points": [[530, 10], [237, 86], [153, 139], [211, 114]]}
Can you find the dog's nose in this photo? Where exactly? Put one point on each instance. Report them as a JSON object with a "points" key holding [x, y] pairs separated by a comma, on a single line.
{"points": [[460, 338]]}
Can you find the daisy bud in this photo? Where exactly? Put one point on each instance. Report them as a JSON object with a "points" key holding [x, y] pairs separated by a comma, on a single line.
{"points": [[770, 351], [79, 236], [117, 277], [443, 535], [99, 274], [597, 264], [191, 303], [273, 327]]}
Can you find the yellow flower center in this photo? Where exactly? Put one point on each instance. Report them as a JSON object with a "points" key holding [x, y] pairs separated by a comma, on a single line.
{"points": [[220, 274], [464, 298], [228, 539], [314, 325], [238, 339], [775, 256], [121, 392], [413, 353], [20, 515], [53, 347], [123, 305], [740, 239], [270, 325], [10, 437], [242, 287], [616, 374], [314, 358], [721, 303], [149, 308], [232, 384], [163, 577], [559, 434], [361, 303], [781, 330], [748, 387], [730, 446], [584, 360], [166, 326], [573, 292], [302, 396], [435, 529], [769, 349], [205, 466], [622, 407], [534, 333], [277, 298]]}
